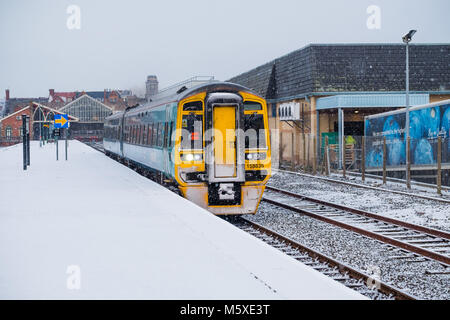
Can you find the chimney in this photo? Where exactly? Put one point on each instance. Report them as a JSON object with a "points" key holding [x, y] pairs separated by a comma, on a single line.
{"points": [[7, 94], [52, 92]]}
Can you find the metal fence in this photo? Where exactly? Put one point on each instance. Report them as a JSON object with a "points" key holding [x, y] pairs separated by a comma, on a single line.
{"points": [[385, 157]]}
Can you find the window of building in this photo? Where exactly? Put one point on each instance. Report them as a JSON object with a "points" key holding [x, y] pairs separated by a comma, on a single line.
{"points": [[8, 132], [274, 110]]}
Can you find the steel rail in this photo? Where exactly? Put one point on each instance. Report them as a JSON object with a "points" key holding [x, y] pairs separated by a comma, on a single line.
{"points": [[342, 267], [430, 231], [357, 185], [374, 235]]}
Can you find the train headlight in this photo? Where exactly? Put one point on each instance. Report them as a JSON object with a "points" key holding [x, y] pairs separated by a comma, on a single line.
{"points": [[191, 157], [255, 156]]}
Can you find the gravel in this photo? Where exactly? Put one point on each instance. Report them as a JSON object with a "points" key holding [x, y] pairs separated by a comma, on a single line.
{"points": [[357, 251], [423, 212]]}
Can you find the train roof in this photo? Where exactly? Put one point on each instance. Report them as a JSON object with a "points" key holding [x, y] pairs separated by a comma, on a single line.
{"points": [[180, 93]]}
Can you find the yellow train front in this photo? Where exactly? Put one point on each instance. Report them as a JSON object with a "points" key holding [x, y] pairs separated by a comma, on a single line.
{"points": [[222, 148], [211, 140]]}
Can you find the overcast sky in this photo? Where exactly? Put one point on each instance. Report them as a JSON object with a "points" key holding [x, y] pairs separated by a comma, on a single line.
{"points": [[120, 42]]}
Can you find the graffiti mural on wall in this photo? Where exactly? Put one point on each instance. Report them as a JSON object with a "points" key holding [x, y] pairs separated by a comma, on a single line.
{"points": [[426, 125]]}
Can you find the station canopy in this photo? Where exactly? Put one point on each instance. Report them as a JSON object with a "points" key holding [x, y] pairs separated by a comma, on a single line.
{"points": [[370, 101], [87, 109]]}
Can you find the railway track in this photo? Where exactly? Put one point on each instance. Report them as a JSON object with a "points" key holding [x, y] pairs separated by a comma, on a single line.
{"points": [[367, 285], [363, 186], [414, 243]]}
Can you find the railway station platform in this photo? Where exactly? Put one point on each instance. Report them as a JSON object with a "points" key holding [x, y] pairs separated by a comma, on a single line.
{"points": [[91, 228]]}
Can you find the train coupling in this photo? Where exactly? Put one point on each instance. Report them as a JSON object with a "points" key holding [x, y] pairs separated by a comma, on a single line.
{"points": [[226, 191]]}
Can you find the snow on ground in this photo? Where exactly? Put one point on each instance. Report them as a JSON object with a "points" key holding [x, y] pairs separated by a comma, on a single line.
{"points": [[128, 238], [403, 207]]}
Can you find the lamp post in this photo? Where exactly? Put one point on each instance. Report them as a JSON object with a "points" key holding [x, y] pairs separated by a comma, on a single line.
{"points": [[407, 39]]}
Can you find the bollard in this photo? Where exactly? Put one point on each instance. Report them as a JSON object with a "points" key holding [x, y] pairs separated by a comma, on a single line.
{"points": [[384, 160]]}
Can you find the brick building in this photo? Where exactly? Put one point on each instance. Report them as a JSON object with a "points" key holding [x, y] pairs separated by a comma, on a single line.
{"points": [[40, 122], [14, 104], [333, 86], [111, 98], [57, 100]]}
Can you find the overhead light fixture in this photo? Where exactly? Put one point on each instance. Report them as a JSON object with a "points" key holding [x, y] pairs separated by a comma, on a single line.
{"points": [[407, 37]]}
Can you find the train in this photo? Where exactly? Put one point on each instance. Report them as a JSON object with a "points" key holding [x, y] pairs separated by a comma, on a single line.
{"points": [[210, 140]]}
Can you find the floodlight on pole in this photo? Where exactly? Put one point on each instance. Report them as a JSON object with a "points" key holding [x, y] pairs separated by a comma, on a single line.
{"points": [[407, 39]]}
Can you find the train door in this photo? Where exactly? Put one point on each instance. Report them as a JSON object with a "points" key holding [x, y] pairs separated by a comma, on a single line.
{"points": [[226, 150], [224, 140]]}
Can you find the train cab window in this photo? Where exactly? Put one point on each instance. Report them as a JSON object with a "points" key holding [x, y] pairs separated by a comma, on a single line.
{"points": [[252, 106], [193, 106], [254, 131], [192, 131]]}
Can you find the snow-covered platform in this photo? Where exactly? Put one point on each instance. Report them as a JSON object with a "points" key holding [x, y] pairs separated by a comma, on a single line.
{"points": [[90, 228]]}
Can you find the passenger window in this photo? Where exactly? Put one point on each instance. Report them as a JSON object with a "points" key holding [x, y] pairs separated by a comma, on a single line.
{"points": [[160, 134], [155, 134], [166, 131], [150, 131]]}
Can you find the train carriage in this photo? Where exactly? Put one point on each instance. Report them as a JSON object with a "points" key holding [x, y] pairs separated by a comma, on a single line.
{"points": [[211, 140]]}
